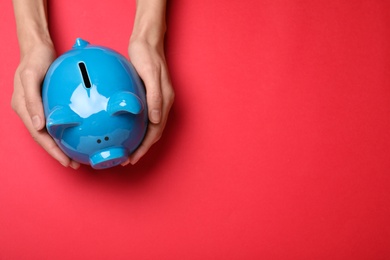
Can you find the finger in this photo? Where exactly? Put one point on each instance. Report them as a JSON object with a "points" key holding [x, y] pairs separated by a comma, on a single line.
{"points": [[41, 136], [75, 165], [167, 91], [153, 134], [31, 83], [151, 78], [47, 143], [155, 131]]}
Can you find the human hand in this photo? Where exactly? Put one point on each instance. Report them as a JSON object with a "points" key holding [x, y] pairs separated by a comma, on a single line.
{"points": [[149, 61], [27, 101]]}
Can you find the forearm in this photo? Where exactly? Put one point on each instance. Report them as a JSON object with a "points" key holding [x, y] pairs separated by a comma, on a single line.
{"points": [[146, 52], [149, 22], [31, 23]]}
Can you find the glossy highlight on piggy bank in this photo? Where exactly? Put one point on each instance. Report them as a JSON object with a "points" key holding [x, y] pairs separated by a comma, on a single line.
{"points": [[95, 105]]}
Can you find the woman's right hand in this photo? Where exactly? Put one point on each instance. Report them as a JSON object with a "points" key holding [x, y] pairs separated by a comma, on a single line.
{"points": [[26, 97]]}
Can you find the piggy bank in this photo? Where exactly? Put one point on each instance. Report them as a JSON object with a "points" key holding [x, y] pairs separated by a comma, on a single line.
{"points": [[94, 104]]}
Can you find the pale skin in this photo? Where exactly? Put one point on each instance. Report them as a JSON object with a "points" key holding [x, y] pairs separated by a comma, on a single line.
{"points": [[146, 52]]}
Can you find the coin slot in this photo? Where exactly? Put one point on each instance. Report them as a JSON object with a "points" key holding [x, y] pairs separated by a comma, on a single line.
{"points": [[84, 73]]}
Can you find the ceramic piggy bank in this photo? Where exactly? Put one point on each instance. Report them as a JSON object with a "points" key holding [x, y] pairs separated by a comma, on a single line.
{"points": [[95, 107]]}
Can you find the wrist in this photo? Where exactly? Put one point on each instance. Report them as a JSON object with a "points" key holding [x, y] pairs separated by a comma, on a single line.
{"points": [[31, 23], [30, 37], [149, 22], [150, 32], [34, 41]]}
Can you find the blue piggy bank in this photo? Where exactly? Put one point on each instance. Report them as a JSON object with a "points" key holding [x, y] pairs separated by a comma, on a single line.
{"points": [[95, 105]]}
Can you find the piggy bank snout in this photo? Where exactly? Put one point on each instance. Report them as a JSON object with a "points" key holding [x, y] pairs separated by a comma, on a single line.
{"points": [[107, 158]]}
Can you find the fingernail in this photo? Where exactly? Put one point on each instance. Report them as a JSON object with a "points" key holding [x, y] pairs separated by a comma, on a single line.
{"points": [[155, 116], [64, 164], [125, 163], [36, 121], [134, 160], [74, 165]]}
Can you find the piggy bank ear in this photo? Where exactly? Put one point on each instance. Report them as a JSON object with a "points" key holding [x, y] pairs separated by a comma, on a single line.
{"points": [[59, 119], [124, 102]]}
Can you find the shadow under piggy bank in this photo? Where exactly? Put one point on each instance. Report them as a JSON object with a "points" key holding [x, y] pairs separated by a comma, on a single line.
{"points": [[95, 105]]}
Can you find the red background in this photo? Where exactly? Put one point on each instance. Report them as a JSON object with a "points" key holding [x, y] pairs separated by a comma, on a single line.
{"points": [[277, 147]]}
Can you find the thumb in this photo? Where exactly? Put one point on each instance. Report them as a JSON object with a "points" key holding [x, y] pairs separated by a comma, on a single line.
{"points": [[31, 82]]}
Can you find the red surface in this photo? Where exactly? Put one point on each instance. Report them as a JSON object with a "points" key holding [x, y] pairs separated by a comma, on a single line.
{"points": [[277, 147]]}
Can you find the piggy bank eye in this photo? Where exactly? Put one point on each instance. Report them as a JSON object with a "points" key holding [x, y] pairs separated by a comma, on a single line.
{"points": [[99, 141], [84, 74]]}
